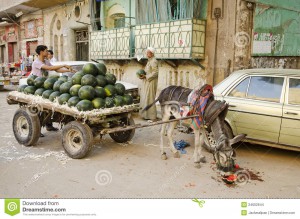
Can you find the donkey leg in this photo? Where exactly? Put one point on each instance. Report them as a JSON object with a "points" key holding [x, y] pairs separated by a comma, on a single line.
{"points": [[201, 142], [196, 150], [172, 126], [162, 134]]}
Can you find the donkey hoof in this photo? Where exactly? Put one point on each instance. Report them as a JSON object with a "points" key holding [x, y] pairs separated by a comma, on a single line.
{"points": [[176, 154], [203, 159], [164, 156], [197, 165]]}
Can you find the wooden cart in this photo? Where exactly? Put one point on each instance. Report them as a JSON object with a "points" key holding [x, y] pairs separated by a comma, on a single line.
{"points": [[79, 128]]}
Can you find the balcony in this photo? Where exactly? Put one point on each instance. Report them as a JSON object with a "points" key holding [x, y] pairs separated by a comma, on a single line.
{"points": [[181, 39]]}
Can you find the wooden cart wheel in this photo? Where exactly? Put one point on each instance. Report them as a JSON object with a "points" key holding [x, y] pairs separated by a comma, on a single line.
{"points": [[77, 139], [26, 127], [124, 136]]}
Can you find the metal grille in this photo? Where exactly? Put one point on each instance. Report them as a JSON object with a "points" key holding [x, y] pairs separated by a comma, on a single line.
{"points": [[181, 39], [111, 44]]}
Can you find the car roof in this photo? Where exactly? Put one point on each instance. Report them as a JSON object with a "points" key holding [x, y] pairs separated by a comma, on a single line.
{"points": [[127, 85], [223, 85], [70, 63], [273, 71]]}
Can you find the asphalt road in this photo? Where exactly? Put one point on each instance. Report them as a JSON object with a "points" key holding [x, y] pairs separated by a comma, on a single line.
{"points": [[135, 170]]}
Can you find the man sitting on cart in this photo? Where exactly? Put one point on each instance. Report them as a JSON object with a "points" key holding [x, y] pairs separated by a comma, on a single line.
{"points": [[40, 68]]}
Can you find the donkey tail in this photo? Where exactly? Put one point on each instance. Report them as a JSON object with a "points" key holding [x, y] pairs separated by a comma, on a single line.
{"points": [[150, 105], [157, 99]]}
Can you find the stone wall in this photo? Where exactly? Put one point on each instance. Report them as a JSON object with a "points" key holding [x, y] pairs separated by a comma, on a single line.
{"points": [[60, 26]]}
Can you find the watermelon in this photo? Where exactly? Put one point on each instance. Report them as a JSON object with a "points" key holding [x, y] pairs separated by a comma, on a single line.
{"points": [[65, 87], [118, 101], [100, 92], [120, 89], [46, 94], [110, 78], [76, 78], [88, 80], [30, 80], [73, 101], [54, 95], [86, 92], [140, 73], [84, 105], [39, 82], [128, 100], [48, 84], [101, 80], [63, 78], [98, 103], [102, 68], [109, 102], [91, 69], [57, 84], [22, 87], [54, 76], [74, 90], [29, 90], [110, 90], [39, 92], [63, 98]]}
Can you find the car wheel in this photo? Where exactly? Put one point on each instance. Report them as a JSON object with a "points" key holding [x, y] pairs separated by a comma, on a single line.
{"points": [[210, 142]]}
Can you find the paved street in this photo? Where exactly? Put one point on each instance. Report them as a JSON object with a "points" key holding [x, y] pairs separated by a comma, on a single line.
{"points": [[135, 170]]}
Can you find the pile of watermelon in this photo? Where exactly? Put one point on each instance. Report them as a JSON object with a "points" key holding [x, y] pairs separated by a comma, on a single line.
{"points": [[91, 88]]}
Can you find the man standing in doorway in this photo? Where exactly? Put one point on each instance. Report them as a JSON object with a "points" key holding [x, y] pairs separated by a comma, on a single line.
{"points": [[150, 81], [51, 57], [40, 68]]}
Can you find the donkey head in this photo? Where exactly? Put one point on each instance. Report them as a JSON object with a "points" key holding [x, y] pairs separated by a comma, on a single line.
{"points": [[224, 152]]}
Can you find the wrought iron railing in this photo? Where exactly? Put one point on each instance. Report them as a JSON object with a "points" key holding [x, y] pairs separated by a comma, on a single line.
{"points": [[182, 39]]}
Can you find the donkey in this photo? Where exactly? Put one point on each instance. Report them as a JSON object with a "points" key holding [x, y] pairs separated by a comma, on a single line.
{"points": [[171, 98]]}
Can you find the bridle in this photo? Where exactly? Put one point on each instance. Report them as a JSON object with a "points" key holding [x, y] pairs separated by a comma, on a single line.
{"points": [[227, 152]]}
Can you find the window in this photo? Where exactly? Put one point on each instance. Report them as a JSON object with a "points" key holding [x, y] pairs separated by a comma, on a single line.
{"points": [[294, 91], [265, 88], [149, 11], [119, 22], [241, 89], [95, 9]]}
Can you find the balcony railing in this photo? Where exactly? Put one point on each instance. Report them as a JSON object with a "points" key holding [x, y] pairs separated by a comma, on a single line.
{"points": [[182, 39]]}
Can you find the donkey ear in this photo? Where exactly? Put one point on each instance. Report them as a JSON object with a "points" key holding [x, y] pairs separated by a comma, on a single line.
{"points": [[236, 139]]}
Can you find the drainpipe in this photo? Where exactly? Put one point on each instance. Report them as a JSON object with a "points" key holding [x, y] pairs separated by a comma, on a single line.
{"points": [[217, 14]]}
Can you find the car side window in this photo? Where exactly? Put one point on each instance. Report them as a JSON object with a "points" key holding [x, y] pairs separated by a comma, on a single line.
{"points": [[241, 89], [265, 88], [294, 91]]}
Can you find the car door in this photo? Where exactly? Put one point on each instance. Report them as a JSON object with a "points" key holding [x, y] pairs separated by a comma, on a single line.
{"points": [[290, 127], [255, 107]]}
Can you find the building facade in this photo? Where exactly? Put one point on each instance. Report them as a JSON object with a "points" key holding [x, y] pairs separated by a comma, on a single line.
{"points": [[196, 41]]}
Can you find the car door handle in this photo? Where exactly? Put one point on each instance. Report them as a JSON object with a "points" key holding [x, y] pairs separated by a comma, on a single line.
{"points": [[290, 113], [232, 105]]}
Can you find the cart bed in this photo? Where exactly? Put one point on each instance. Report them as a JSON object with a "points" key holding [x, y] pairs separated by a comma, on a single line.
{"points": [[16, 97]]}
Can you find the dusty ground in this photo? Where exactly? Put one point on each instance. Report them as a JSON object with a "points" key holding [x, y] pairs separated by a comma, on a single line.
{"points": [[135, 170]]}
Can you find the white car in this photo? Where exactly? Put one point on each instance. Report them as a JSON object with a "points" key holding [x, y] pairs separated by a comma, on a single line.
{"points": [[131, 89]]}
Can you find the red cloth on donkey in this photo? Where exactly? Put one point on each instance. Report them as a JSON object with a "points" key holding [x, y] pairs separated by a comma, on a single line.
{"points": [[198, 104]]}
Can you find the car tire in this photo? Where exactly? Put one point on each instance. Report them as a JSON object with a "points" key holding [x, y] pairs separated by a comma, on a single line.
{"points": [[210, 142]]}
